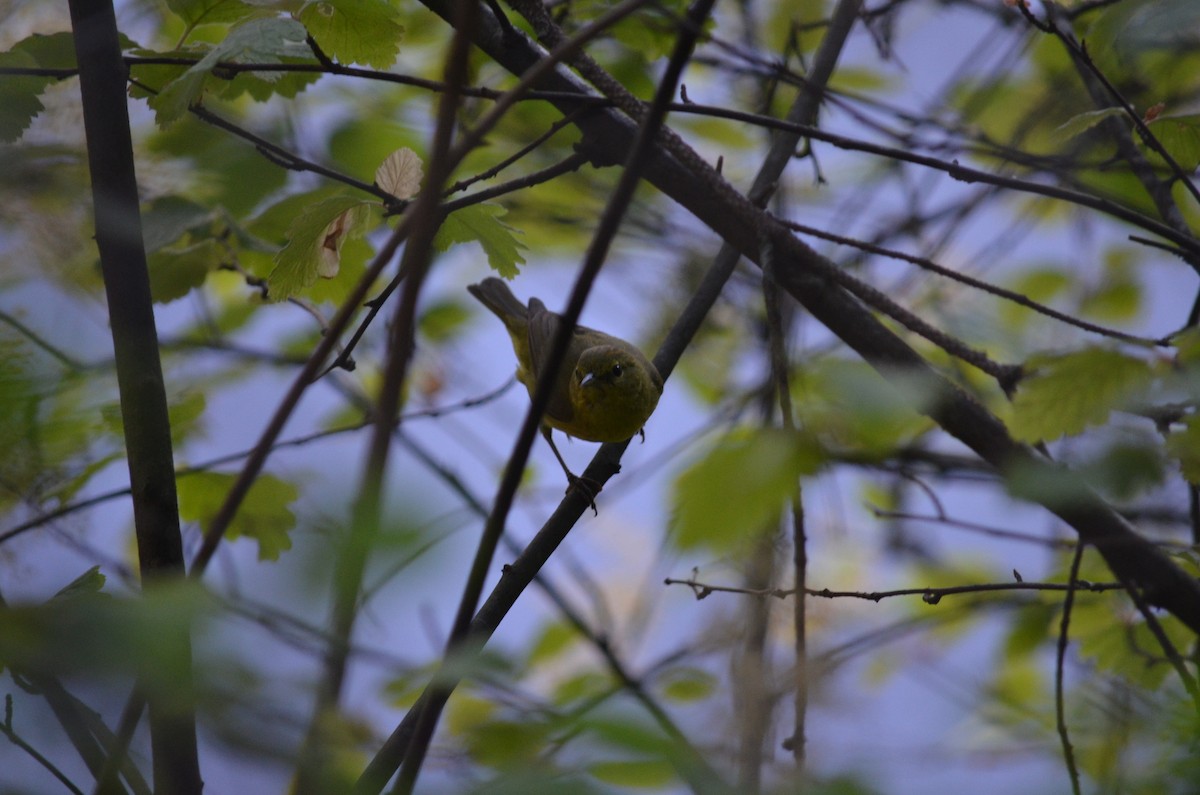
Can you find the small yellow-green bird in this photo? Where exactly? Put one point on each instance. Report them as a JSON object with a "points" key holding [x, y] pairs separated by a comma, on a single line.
{"points": [[606, 388]]}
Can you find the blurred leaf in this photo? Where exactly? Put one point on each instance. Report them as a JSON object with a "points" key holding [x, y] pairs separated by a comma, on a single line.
{"points": [[97, 634], [443, 320], [1067, 393], [506, 744], [1180, 136], [1121, 645], [1187, 343], [466, 712], [354, 31], [1127, 469], [586, 686], [553, 640], [167, 219], [186, 410], [708, 363], [687, 684], [1086, 121], [850, 405], [480, 223], [206, 12], [634, 773], [1131, 28], [90, 582], [1029, 630], [222, 171], [174, 272], [264, 516], [360, 144], [723, 500], [1118, 295], [1185, 447], [1042, 482]]}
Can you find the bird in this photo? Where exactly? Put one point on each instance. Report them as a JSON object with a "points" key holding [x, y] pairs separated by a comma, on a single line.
{"points": [[605, 389]]}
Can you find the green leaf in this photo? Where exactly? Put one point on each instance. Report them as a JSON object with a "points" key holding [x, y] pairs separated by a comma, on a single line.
{"points": [[442, 320], [1029, 630], [167, 219], [1127, 468], [1187, 343], [355, 31], [723, 500], [264, 515], [1137, 26], [553, 641], [506, 744], [1077, 125], [186, 410], [174, 272], [1067, 393], [311, 243], [94, 634], [688, 684], [1180, 136], [19, 94], [55, 50], [636, 773], [207, 12], [1185, 447], [90, 582], [255, 41], [479, 223]]}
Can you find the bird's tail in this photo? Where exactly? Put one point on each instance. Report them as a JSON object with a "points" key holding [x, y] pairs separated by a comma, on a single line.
{"points": [[495, 295]]}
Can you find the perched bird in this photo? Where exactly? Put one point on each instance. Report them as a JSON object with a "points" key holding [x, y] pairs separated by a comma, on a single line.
{"points": [[605, 389]]}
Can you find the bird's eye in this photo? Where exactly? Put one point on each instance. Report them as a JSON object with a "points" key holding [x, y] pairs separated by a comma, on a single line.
{"points": [[616, 370]]}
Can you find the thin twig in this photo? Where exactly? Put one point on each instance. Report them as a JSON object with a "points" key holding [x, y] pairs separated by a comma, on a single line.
{"points": [[928, 595], [1060, 719]]}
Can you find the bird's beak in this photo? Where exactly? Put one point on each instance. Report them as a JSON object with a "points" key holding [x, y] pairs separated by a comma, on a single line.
{"points": [[588, 377]]}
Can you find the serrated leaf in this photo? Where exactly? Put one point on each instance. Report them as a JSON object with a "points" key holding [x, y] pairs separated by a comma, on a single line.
{"points": [[255, 41], [315, 237], [479, 223], [19, 101], [355, 31], [400, 174], [264, 516], [1077, 125], [1068, 393], [723, 499]]}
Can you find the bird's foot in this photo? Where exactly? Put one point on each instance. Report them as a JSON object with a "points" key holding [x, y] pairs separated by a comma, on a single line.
{"points": [[589, 487]]}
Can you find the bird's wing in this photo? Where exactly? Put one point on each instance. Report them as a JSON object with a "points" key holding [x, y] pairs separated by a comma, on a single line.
{"points": [[543, 325]]}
